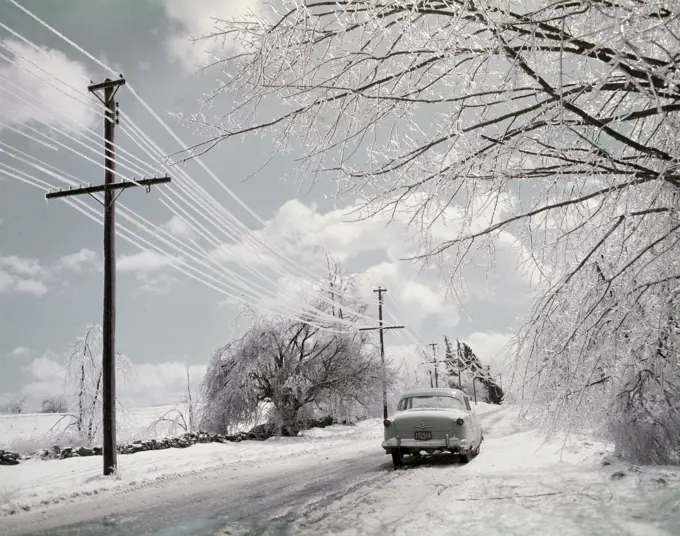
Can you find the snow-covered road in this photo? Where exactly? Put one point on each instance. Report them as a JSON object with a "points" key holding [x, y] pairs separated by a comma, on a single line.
{"points": [[248, 497], [514, 487]]}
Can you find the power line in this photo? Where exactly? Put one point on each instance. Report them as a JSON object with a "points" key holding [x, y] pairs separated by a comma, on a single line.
{"points": [[247, 231], [244, 231]]}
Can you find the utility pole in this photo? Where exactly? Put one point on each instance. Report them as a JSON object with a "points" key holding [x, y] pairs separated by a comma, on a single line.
{"points": [[429, 370], [434, 362], [110, 88], [381, 328]]}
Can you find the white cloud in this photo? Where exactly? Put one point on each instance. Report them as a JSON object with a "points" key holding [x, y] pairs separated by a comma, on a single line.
{"points": [[147, 267], [492, 349], [146, 261], [12, 283], [20, 351], [159, 284], [159, 383], [35, 99], [6, 281], [31, 286], [22, 265], [372, 249], [76, 261], [178, 227], [47, 379], [195, 19], [46, 368]]}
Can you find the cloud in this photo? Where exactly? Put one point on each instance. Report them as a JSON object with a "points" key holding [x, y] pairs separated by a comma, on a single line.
{"points": [[160, 383], [159, 284], [11, 283], [33, 99], [144, 262], [31, 286], [195, 19], [146, 266], [22, 274], [492, 349], [47, 379], [146, 384], [28, 275], [372, 249], [76, 261], [22, 265], [45, 368], [20, 351], [6, 281], [178, 227]]}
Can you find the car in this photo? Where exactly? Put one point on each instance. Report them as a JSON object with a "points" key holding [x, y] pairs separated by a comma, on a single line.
{"points": [[431, 420]]}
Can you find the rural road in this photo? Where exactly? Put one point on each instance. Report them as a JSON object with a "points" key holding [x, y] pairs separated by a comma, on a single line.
{"points": [[259, 497], [249, 499]]}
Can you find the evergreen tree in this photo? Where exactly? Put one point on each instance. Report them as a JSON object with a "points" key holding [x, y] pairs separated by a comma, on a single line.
{"points": [[463, 366]]}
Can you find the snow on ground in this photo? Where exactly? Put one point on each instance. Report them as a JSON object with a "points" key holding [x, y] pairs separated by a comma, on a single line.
{"points": [[515, 486], [37, 482], [27, 432]]}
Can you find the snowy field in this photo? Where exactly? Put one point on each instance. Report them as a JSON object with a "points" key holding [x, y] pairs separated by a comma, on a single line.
{"points": [[28, 432], [517, 486]]}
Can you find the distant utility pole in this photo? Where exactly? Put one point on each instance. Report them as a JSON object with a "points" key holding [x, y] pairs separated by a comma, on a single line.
{"points": [[110, 88], [434, 362], [380, 327]]}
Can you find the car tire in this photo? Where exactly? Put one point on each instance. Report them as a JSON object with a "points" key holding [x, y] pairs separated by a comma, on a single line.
{"points": [[465, 456], [397, 458]]}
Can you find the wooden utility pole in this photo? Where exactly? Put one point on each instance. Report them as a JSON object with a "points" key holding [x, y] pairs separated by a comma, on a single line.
{"points": [[110, 88], [434, 362], [380, 327]]}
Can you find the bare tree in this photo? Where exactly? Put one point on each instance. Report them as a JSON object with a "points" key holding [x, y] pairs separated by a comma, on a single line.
{"points": [[555, 123]]}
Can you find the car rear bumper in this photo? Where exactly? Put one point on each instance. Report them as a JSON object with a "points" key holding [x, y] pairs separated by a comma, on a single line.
{"points": [[448, 443]]}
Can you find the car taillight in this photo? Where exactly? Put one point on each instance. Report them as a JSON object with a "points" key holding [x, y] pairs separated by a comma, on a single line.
{"points": [[460, 422], [386, 422]]}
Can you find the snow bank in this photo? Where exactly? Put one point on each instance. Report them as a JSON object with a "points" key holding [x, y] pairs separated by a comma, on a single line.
{"points": [[34, 483]]}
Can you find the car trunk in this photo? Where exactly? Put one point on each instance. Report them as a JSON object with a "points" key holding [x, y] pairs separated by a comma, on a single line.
{"points": [[437, 421]]}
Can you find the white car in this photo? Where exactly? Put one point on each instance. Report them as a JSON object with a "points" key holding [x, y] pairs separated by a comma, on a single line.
{"points": [[433, 420]]}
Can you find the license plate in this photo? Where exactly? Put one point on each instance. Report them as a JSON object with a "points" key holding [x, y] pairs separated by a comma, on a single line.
{"points": [[423, 436]]}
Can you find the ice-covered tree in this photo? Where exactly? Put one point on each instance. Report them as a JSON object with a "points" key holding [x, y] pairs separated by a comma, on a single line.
{"points": [[600, 349], [83, 385], [294, 365], [290, 365], [54, 404]]}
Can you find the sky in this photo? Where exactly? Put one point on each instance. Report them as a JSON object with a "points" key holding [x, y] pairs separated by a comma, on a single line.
{"points": [[51, 254]]}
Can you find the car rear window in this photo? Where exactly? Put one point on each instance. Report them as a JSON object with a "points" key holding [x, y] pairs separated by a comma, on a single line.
{"points": [[437, 402]]}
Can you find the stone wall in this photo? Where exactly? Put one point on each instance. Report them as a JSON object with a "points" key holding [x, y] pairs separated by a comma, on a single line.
{"points": [[259, 433]]}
